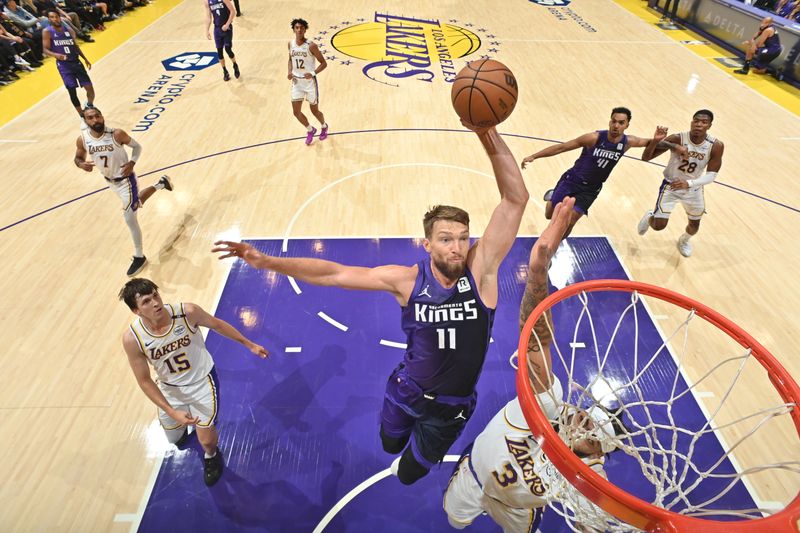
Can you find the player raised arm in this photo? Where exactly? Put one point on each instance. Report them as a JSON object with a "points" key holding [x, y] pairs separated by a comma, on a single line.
{"points": [[486, 255], [197, 316], [540, 367], [585, 140], [138, 362], [80, 156], [659, 144], [394, 279]]}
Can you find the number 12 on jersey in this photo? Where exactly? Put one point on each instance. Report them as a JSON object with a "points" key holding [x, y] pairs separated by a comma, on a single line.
{"points": [[447, 338]]}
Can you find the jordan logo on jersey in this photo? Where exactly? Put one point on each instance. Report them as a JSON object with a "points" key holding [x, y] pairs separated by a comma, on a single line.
{"points": [[461, 415], [424, 292]]}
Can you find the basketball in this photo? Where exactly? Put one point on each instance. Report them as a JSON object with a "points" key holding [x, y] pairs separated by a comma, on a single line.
{"points": [[484, 93]]}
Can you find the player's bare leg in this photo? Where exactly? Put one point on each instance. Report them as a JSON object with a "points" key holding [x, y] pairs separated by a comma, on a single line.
{"points": [[90, 95], [323, 134], [297, 108], [165, 182], [212, 460]]}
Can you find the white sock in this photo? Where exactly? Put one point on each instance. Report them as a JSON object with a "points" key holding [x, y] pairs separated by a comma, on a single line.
{"points": [[210, 456], [686, 236], [324, 125], [309, 128], [136, 232]]}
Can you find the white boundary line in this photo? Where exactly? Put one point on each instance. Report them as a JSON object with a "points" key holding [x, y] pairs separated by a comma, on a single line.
{"points": [[361, 487], [393, 344], [294, 285], [293, 349], [359, 173], [331, 321], [746, 481]]}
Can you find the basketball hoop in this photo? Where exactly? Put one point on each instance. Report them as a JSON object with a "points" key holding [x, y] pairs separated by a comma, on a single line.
{"points": [[668, 453]]}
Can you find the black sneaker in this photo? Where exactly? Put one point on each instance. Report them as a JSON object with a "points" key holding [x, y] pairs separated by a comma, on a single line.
{"points": [[212, 468], [182, 440], [225, 75], [236, 70], [548, 195], [136, 266], [166, 181]]}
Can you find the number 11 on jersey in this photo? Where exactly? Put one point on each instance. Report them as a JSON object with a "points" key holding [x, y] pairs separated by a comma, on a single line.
{"points": [[447, 338]]}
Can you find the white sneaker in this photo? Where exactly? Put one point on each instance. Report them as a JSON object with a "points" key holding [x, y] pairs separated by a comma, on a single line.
{"points": [[684, 246], [395, 466], [644, 223]]}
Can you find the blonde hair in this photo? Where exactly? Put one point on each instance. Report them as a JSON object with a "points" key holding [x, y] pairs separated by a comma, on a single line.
{"points": [[443, 212]]}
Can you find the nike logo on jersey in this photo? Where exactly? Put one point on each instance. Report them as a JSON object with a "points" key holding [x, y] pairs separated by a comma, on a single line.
{"points": [[425, 292], [149, 343]]}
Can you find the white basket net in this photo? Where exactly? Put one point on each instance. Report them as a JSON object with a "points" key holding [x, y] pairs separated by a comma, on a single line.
{"points": [[703, 424]]}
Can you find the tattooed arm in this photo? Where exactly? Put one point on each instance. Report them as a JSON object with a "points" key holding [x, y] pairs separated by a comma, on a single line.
{"points": [[540, 369]]}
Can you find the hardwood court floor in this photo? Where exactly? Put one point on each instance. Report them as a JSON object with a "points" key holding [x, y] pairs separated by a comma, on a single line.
{"points": [[78, 435]]}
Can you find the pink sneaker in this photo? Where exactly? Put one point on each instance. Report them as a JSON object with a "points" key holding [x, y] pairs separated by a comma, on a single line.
{"points": [[310, 136], [323, 134]]}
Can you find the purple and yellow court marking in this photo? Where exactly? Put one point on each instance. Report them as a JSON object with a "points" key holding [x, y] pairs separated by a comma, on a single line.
{"points": [[299, 431]]}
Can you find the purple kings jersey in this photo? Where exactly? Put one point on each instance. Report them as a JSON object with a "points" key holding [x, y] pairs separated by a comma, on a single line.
{"points": [[595, 163], [219, 11], [63, 42], [447, 333]]}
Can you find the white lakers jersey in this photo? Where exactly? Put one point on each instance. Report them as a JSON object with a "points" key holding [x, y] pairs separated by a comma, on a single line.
{"points": [[303, 61], [179, 356], [692, 168], [510, 464], [107, 155]]}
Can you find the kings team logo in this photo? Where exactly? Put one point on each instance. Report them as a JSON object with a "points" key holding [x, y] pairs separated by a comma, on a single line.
{"points": [[394, 49]]}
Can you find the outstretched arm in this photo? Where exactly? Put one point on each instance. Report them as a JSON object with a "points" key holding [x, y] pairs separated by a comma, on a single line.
{"points": [[659, 144], [394, 279], [197, 316], [587, 139], [540, 367], [485, 257]]}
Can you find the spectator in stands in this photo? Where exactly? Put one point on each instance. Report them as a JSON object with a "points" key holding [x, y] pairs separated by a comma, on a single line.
{"points": [[33, 41], [765, 46]]}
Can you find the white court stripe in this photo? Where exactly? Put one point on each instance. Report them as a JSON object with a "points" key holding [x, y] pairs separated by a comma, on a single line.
{"points": [[360, 172], [577, 345], [361, 488], [393, 344], [658, 317], [559, 41], [790, 138], [704, 394], [147, 41], [18, 141], [294, 285], [123, 517], [294, 349], [332, 322]]}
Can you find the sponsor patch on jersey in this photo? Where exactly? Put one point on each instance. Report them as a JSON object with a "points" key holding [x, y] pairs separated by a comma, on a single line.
{"points": [[180, 329], [463, 285]]}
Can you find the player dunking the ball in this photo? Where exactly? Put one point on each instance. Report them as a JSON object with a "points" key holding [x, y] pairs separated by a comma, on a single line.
{"points": [[303, 70], [222, 12], [448, 303], [693, 152], [106, 147]]}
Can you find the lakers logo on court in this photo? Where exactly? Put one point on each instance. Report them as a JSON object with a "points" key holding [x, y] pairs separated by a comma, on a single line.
{"points": [[400, 48]]}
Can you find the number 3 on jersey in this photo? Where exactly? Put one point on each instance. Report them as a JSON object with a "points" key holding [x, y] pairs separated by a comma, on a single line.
{"points": [[447, 338]]}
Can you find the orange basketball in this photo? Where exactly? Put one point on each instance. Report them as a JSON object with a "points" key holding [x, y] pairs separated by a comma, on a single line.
{"points": [[484, 93]]}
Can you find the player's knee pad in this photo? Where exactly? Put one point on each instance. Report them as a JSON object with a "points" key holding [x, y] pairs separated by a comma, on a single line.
{"points": [[409, 470], [393, 444], [229, 51], [219, 53], [73, 96]]}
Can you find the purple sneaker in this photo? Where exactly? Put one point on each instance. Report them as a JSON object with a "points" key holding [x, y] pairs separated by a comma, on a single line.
{"points": [[310, 136], [323, 134]]}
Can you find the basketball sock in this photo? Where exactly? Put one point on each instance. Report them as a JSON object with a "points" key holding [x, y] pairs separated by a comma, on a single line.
{"points": [[686, 236], [210, 456], [136, 232], [158, 185], [309, 128], [324, 125]]}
